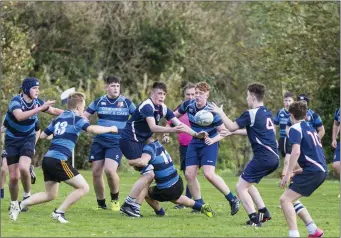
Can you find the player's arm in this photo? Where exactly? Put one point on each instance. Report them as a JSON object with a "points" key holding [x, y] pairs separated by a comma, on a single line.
{"points": [[141, 162], [321, 131], [20, 115], [2, 129], [101, 129], [335, 132], [229, 124], [222, 133], [48, 131], [54, 111], [91, 109]]}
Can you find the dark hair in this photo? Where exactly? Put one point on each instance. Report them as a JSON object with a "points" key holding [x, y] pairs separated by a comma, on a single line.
{"points": [[258, 90], [160, 85], [188, 86], [288, 95], [304, 97], [112, 79], [298, 110]]}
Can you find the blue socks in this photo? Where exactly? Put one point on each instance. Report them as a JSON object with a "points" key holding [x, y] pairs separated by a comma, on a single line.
{"points": [[188, 193], [201, 201], [161, 212], [230, 197], [197, 206], [2, 193]]}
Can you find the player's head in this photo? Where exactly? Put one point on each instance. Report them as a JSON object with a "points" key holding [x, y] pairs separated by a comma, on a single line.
{"points": [[288, 99], [255, 94], [76, 102], [298, 111], [189, 91], [30, 87], [158, 94], [112, 86], [202, 92], [303, 98]]}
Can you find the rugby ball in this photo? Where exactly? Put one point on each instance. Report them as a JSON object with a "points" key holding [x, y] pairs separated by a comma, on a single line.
{"points": [[203, 118]]}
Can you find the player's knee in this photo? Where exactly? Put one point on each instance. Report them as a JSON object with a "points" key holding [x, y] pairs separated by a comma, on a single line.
{"points": [[3, 170], [14, 178], [97, 173], [336, 165], [51, 196], [190, 175], [85, 188], [209, 176], [131, 162], [283, 199]]}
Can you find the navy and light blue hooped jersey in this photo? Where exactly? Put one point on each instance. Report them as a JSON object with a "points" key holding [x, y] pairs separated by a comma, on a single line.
{"points": [[312, 118], [337, 115], [312, 156], [165, 172], [21, 129], [112, 112], [191, 109], [137, 128], [65, 128], [282, 117], [261, 132]]}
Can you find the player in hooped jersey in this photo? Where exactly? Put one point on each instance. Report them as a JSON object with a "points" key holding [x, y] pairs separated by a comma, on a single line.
{"points": [[141, 125], [169, 185], [112, 109], [21, 120], [281, 119], [335, 144], [202, 154], [66, 129], [308, 152], [262, 135]]}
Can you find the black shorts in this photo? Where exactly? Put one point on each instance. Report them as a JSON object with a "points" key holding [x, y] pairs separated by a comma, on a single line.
{"points": [[57, 170], [307, 182], [167, 194], [183, 151], [284, 146]]}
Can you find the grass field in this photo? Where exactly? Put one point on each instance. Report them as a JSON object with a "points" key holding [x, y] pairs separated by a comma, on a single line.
{"points": [[323, 205]]}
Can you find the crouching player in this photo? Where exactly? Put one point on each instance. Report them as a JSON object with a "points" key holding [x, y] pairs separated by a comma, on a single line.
{"points": [[169, 185], [66, 129], [307, 151]]}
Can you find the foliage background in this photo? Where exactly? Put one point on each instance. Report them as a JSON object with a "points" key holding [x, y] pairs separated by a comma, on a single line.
{"points": [[288, 46]]}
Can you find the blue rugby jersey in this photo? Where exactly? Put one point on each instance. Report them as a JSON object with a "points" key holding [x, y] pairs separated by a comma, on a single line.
{"points": [[191, 109], [165, 172], [337, 115], [137, 128], [260, 130], [112, 112], [65, 128], [25, 128], [312, 156], [282, 117], [312, 118]]}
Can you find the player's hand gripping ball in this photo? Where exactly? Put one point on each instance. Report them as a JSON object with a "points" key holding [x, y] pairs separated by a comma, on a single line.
{"points": [[204, 118]]}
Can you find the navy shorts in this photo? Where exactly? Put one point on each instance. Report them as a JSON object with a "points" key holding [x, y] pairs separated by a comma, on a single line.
{"points": [[284, 146], [101, 149], [337, 153], [183, 151], [131, 149], [307, 182], [259, 168], [14, 148], [201, 154]]}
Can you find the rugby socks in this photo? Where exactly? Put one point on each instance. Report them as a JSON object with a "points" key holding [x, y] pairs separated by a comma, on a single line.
{"points": [[26, 195], [298, 207], [263, 210], [130, 200], [2, 193], [188, 193], [200, 200], [197, 206], [114, 196], [230, 197], [294, 233], [311, 227], [161, 212], [101, 203]]}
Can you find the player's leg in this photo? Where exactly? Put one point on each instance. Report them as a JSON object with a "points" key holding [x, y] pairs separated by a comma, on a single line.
{"points": [[263, 213], [112, 160], [183, 151], [154, 204], [243, 193], [336, 161], [187, 202], [24, 167], [304, 215], [96, 158], [13, 185], [51, 191], [4, 171], [286, 200]]}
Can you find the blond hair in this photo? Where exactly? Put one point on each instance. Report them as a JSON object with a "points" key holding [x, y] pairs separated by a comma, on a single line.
{"points": [[74, 100]]}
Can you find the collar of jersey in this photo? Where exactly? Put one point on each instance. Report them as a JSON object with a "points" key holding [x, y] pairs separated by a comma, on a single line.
{"points": [[108, 99], [25, 103]]}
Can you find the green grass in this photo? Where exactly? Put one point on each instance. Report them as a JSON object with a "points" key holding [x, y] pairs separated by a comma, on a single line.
{"points": [[323, 205]]}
